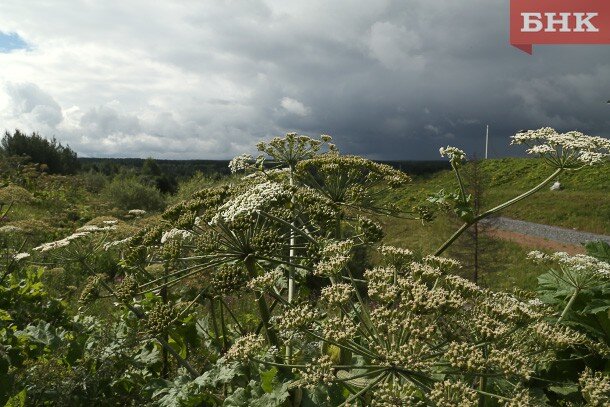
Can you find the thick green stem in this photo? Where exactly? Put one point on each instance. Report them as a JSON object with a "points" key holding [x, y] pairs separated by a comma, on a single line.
{"points": [[460, 183], [498, 208], [292, 254], [569, 304]]}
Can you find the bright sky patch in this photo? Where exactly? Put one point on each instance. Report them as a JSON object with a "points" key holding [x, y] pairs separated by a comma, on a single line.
{"points": [[10, 42]]}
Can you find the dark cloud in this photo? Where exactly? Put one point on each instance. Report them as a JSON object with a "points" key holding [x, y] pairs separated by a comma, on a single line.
{"points": [[391, 79]]}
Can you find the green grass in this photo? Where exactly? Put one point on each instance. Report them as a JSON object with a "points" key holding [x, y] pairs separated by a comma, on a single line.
{"points": [[583, 204], [503, 264]]}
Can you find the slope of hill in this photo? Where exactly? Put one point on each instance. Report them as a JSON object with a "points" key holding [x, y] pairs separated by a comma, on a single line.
{"points": [[582, 204]]}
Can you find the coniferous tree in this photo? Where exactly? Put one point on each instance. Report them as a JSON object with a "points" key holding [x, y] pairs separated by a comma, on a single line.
{"points": [[58, 159]]}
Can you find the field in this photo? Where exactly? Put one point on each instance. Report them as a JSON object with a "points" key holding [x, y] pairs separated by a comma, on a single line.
{"points": [[152, 283]]}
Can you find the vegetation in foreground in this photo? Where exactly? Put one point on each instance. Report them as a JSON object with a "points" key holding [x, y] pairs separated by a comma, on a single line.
{"points": [[340, 317]]}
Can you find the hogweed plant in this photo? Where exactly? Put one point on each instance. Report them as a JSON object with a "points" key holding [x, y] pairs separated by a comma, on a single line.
{"points": [[569, 151], [330, 329]]}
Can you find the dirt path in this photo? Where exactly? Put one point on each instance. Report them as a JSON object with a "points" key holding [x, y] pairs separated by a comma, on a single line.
{"points": [[538, 236], [534, 242]]}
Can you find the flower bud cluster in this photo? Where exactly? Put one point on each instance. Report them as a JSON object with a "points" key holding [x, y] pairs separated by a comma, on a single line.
{"points": [[300, 316], [512, 362], [392, 394], [371, 231], [339, 328], [521, 398], [557, 336], [159, 319], [292, 148], [266, 281], [396, 256], [465, 356], [444, 264], [91, 291], [595, 388], [337, 294], [228, 278], [319, 371], [335, 257], [246, 347], [451, 394], [128, 288], [415, 354]]}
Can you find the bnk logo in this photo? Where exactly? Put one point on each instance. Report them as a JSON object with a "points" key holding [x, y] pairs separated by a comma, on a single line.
{"points": [[559, 22]]}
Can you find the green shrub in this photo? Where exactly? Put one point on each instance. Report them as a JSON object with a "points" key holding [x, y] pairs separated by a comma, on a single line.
{"points": [[94, 181], [188, 187], [129, 193]]}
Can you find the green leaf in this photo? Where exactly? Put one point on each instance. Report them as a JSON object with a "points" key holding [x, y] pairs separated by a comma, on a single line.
{"points": [[599, 250], [267, 379], [17, 400], [5, 316], [565, 390]]}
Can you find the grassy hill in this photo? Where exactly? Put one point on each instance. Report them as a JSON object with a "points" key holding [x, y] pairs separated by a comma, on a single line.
{"points": [[583, 204]]}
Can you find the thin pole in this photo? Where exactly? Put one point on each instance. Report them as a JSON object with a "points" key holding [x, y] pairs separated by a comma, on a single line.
{"points": [[486, 141]]}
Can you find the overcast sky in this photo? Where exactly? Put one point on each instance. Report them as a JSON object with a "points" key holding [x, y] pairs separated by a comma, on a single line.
{"points": [[208, 79]]}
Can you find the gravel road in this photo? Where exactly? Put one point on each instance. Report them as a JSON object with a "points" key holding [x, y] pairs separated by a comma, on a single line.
{"points": [[555, 233]]}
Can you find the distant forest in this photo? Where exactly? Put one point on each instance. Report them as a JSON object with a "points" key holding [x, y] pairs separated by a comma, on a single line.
{"points": [[182, 169]]}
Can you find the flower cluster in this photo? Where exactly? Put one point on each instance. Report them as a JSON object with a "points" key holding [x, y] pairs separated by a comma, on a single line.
{"points": [[266, 281], [175, 234], [136, 212], [319, 371], [94, 228], [579, 263], [45, 247], [249, 203], [293, 148], [245, 347], [339, 328], [335, 256], [361, 179], [396, 256], [454, 154], [595, 388], [240, 163], [564, 150], [337, 294], [10, 229], [451, 394], [21, 256]]}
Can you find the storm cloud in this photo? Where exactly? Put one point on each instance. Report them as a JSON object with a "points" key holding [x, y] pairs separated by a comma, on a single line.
{"points": [[388, 79]]}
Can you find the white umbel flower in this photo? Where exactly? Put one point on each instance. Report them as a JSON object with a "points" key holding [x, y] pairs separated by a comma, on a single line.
{"points": [[455, 155], [21, 256], [564, 150], [257, 198], [240, 163], [175, 234]]}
